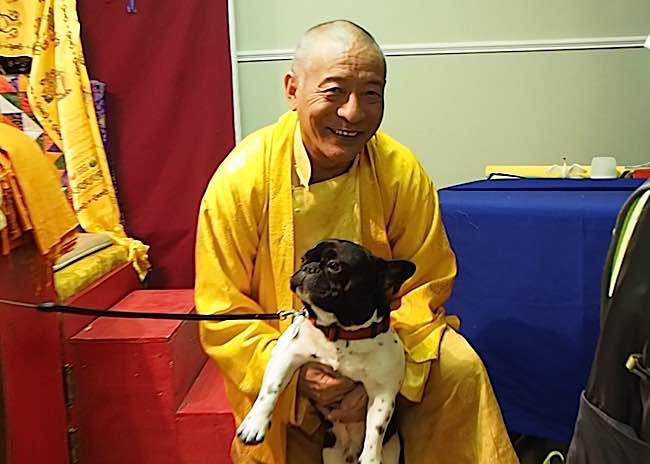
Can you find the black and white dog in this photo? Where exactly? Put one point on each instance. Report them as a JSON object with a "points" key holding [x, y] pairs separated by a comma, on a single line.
{"points": [[346, 291]]}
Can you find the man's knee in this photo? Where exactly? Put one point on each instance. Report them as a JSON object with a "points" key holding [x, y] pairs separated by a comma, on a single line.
{"points": [[458, 375], [458, 365]]}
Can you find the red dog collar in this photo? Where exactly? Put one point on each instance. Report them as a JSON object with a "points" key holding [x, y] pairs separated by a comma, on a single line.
{"points": [[334, 332]]}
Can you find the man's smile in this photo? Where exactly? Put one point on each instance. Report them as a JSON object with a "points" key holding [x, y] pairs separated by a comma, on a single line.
{"points": [[345, 133]]}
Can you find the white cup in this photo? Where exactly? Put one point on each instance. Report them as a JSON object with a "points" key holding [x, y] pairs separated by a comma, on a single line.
{"points": [[603, 167]]}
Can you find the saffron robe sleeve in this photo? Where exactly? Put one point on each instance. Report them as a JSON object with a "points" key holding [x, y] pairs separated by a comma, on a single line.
{"points": [[415, 231], [233, 275]]}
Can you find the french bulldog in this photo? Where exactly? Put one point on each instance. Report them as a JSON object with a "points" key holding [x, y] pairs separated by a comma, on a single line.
{"points": [[346, 292]]}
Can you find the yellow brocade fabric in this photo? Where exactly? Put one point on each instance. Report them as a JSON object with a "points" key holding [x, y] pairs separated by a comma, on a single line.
{"points": [[79, 275], [245, 258], [60, 96]]}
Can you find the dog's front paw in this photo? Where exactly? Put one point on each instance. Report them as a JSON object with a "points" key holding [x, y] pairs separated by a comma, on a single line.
{"points": [[253, 428]]}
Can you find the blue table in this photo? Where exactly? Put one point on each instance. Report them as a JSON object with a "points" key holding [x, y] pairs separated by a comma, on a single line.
{"points": [[530, 258]]}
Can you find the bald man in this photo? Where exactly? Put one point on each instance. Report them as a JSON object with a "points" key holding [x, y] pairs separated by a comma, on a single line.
{"points": [[325, 170]]}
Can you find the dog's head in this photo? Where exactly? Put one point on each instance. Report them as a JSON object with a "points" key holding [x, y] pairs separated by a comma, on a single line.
{"points": [[346, 280]]}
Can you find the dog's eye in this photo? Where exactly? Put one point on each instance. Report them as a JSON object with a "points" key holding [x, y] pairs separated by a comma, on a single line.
{"points": [[333, 266]]}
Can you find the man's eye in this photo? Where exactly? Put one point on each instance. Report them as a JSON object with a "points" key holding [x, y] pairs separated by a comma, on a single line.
{"points": [[334, 90], [333, 266]]}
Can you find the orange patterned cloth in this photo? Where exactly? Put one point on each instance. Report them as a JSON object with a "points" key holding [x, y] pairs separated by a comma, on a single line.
{"points": [[31, 198]]}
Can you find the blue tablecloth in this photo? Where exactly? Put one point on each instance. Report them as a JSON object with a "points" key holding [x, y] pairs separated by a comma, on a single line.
{"points": [[530, 258]]}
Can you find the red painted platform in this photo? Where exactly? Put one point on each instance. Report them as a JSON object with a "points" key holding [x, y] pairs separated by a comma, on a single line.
{"points": [[32, 398], [33, 352], [204, 422], [144, 391]]}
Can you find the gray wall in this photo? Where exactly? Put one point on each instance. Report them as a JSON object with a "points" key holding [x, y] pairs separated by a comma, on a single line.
{"points": [[459, 112]]}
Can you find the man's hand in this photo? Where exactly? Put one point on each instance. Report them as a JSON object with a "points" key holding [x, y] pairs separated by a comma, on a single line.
{"points": [[322, 385], [336, 397], [353, 407]]}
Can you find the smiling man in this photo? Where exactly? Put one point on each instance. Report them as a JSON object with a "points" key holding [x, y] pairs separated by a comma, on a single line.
{"points": [[325, 170], [336, 88]]}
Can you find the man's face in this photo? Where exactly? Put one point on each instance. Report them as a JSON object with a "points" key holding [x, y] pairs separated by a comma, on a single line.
{"points": [[339, 98]]}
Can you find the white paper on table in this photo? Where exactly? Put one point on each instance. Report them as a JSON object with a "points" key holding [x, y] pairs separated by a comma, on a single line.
{"points": [[564, 171]]}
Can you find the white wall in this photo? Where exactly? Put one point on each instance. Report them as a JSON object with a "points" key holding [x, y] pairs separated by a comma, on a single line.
{"points": [[459, 112]]}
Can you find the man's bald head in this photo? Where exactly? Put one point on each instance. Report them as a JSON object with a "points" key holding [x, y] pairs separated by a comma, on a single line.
{"points": [[339, 34], [336, 88]]}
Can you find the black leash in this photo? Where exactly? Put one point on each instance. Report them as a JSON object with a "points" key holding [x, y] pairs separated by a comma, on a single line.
{"points": [[50, 307]]}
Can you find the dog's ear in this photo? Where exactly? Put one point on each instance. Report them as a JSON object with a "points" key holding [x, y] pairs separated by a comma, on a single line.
{"points": [[395, 272]]}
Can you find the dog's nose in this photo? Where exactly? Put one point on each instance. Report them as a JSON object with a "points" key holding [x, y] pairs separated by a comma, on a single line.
{"points": [[296, 280], [311, 268]]}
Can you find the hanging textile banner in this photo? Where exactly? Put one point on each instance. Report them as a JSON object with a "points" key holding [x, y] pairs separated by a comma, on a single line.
{"points": [[60, 95]]}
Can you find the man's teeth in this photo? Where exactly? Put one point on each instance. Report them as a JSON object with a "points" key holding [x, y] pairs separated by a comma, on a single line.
{"points": [[346, 133]]}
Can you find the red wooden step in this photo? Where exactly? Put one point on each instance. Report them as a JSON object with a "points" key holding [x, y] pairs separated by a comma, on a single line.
{"points": [[205, 424], [130, 377]]}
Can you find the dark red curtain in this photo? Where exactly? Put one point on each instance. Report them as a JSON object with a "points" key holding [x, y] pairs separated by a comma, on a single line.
{"points": [[169, 115]]}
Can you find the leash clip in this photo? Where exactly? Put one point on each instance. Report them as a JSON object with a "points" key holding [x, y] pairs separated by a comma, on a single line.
{"points": [[285, 314]]}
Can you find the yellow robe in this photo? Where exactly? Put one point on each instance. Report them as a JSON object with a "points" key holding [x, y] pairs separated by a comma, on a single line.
{"points": [[245, 257]]}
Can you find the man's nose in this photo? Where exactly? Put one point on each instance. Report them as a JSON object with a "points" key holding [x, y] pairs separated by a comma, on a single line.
{"points": [[351, 110]]}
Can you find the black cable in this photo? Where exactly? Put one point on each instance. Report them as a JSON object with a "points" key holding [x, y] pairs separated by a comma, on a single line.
{"points": [[626, 173], [50, 307], [505, 174]]}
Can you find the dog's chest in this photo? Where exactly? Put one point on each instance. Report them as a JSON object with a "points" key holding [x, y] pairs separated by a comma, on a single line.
{"points": [[356, 359]]}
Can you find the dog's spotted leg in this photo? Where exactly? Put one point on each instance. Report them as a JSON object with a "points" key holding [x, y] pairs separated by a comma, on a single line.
{"points": [[381, 405], [283, 363]]}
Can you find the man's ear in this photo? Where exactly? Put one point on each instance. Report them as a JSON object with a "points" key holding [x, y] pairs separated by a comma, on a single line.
{"points": [[290, 89], [396, 272]]}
